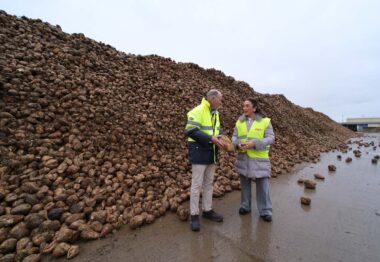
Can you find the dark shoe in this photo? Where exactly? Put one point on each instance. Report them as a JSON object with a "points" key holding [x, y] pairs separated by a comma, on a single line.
{"points": [[267, 218], [195, 223], [212, 216], [243, 211]]}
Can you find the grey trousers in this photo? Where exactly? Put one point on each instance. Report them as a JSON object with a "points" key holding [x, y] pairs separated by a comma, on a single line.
{"points": [[202, 180], [263, 201]]}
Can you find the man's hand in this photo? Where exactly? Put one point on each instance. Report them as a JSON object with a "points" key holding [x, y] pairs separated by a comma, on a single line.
{"points": [[248, 145], [216, 141]]}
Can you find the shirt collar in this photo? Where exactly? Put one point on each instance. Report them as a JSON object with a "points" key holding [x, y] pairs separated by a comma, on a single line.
{"points": [[257, 117]]}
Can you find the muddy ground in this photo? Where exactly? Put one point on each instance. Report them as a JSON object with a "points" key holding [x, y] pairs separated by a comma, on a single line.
{"points": [[341, 224]]}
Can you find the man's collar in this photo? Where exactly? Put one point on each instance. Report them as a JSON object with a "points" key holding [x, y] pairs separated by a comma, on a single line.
{"points": [[206, 103]]}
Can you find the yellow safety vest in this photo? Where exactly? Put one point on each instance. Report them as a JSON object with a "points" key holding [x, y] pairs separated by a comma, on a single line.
{"points": [[200, 117], [257, 131]]}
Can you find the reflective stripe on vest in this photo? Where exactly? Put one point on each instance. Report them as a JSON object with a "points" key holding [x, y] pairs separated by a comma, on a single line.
{"points": [[257, 131], [200, 118]]}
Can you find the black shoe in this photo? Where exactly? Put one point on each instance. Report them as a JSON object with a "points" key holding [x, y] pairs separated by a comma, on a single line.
{"points": [[267, 218], [243, 211], [212, 216], [195, 223]]}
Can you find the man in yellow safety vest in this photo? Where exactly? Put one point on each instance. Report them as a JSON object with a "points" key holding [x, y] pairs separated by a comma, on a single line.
{"points": [[203, 129]]}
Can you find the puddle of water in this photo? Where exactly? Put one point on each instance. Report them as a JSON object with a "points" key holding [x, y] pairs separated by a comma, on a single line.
{"points": [[341, 224]]}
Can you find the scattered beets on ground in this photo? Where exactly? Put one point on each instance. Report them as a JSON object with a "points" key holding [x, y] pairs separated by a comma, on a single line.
{"points": [[92, 138]]}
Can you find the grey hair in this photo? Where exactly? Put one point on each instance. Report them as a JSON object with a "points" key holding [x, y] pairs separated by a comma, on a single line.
{"points": [[212, 93]]}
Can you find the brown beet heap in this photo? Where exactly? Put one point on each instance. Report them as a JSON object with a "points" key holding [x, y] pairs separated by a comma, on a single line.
{"points": [[91, 137]]}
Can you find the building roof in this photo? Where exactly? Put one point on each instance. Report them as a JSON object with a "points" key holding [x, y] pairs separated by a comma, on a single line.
{"points": [[362, 120]]}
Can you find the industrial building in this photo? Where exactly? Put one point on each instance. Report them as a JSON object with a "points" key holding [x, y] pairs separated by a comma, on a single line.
{"points": [[363, 124]]}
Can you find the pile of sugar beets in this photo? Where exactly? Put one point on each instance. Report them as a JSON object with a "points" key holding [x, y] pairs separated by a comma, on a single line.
{"points": [[92, 138]]}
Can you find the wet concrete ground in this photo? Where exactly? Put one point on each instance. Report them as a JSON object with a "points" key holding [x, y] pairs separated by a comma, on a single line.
{"points": [[341, 224]]}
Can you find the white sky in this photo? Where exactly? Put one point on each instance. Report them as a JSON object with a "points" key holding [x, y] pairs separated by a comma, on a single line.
{"points": [[320, 54]]}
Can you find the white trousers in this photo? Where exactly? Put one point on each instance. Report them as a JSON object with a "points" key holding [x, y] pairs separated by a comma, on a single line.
{"points": [[202, 179]]}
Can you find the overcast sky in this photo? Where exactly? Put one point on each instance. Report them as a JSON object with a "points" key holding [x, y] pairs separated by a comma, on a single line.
{"points": [[319, 54]]}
